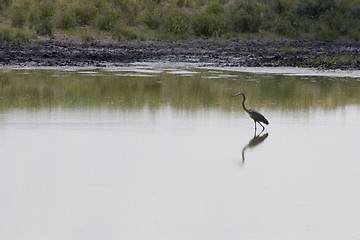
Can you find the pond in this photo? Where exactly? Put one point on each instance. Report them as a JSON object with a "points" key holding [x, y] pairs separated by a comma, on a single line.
{"points": [[166, 152]]}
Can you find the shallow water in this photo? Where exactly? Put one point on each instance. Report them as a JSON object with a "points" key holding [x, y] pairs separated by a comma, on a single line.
{"points": [[166, 153]]}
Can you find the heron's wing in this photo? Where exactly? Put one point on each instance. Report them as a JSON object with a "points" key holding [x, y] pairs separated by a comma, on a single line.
{"points": [[257, 116]]}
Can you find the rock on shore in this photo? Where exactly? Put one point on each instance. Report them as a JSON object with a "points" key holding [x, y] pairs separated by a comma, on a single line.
{"points": [[236, 52]]}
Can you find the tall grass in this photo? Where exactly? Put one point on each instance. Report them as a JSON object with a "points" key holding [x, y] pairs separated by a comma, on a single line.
{"points": [[15, 35], [173, 19]]}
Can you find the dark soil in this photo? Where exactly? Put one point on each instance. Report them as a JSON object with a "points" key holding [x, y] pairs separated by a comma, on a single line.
{"points": [[244, 53]]}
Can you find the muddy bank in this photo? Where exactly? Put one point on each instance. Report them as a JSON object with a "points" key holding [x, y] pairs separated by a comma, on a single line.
{"points": [[241, 53]]}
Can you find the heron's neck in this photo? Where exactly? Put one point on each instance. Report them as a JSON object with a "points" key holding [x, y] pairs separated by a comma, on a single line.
{"points": [[243, 103]]}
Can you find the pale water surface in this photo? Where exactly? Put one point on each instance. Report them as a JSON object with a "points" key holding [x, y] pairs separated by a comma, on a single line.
{"points": [[159, 153]]}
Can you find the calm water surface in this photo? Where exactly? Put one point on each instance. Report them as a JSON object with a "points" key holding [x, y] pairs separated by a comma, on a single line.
{"points": [[144, 153]]}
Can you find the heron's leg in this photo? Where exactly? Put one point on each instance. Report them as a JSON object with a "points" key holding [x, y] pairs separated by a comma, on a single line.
{"points": [[262, 126], [255, 125], [261, 132], [243, 155]]}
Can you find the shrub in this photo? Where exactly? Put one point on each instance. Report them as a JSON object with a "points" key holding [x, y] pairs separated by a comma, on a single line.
{"points": [[130, 10], [23, 36], [314, 9], [246, 22], [5, 34], [178, 19], [107, 19], [176, 22], [65, 19], [17, 17], [337, 22], [283, 27], [325, 35], [5, 3], [356, 35], [104, 22], [354, 11], [208, 25], [180, 3], [84, 13], [41, 17], [215, 7], [279, 7], [45, 27], [290, 25], [16, 35], [243, 17], [152, 18], [123, 33]]}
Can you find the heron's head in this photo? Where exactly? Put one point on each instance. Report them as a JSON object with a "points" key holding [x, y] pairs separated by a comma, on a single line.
{"points": [[238, 94]]}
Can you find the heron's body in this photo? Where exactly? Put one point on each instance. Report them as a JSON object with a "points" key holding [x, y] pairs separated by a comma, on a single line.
{"points": [[255, 115]]}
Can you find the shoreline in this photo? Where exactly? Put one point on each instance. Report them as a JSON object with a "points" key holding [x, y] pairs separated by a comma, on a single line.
{"points": [[159, 66], [57, 52]]}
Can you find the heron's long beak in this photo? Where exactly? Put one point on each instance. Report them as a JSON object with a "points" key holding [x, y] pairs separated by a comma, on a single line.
{"points": [[235, 95]]}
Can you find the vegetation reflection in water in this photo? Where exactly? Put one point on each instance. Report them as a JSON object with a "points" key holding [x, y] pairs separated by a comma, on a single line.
{"points": [[46, 89]]}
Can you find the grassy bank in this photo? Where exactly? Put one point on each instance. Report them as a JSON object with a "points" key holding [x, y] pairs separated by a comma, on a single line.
{"points": [[324, 20]]}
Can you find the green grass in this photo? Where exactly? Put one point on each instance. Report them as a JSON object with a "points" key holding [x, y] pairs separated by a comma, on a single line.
{"points": [[322, 20], [16, 35], [287, 49]]}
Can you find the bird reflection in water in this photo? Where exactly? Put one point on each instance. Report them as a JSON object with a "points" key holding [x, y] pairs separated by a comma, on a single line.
{"points": [[255, 141]]}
